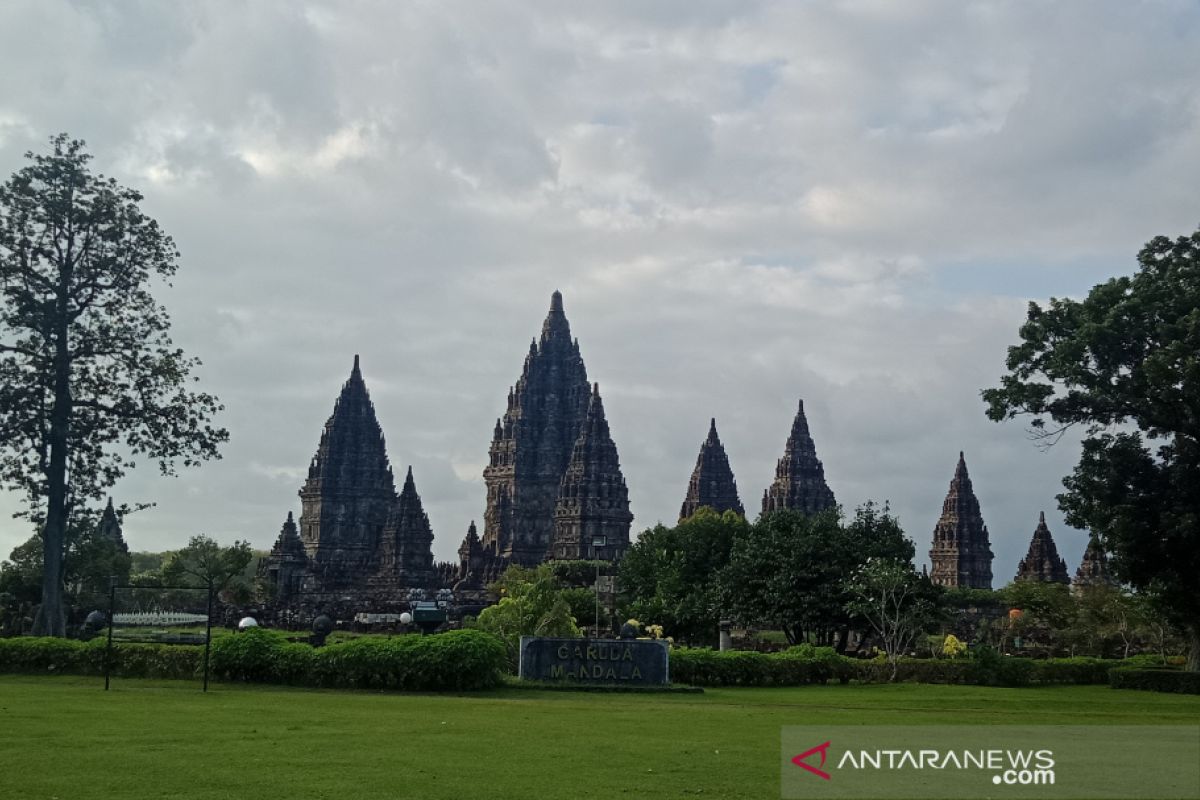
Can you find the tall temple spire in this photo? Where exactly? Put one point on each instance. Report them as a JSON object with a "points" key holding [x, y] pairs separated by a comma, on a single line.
{"points": [[406, 546], [349, 489], [799, 476], [1042, 562], [532, 443], [110, 527], [712, 484], [285, 565], [593, 501], [1093, 570], [961, 553]]}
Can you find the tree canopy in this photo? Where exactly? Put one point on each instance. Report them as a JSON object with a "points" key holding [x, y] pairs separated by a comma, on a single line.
{"points": [[89, 376], [670, 576], [1123, 364], [791, 570]]}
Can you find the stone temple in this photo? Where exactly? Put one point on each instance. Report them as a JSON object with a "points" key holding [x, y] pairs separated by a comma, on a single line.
{"points": [[553, 475], [961, 554], [799, 476], [712, 484], [1042, 563], [356, 537], [554, 491]]}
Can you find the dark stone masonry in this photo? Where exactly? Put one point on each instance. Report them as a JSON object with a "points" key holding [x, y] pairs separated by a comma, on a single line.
{"points": [[555, 490], [961, 554], [712, 484]]}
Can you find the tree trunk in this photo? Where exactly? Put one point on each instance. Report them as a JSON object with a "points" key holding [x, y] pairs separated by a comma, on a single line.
{"points": [[843, 639], [51, 619], [1192, 632]]}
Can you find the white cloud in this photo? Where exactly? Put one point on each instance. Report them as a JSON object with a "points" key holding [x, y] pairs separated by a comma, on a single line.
{"points": [[744, 203]]}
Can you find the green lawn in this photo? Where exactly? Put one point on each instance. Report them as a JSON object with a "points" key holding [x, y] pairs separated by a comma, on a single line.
{"points": [[65, 738]]}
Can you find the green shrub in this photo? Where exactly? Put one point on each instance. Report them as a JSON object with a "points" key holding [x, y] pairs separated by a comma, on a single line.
{"points": [[67, 656], [795, 667], [252, 655], [1080, 670], [1155, 680], [1150, 661], [450, 661]]}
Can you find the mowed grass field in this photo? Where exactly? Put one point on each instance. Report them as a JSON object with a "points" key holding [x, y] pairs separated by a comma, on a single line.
{"points": [[64, 737]]}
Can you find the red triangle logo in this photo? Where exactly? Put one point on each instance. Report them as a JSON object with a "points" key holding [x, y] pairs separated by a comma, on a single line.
{"points": [[799, 760]]}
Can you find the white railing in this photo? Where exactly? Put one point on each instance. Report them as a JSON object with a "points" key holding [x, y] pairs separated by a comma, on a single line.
{"points": [[158, 618]]}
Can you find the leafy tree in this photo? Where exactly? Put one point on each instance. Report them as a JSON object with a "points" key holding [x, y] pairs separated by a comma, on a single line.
{"points": [[789, 570], [89, 377], [90, 563], [1047, 612], [532, 603], [205, 563], [1124, 364], [671, 576], [896, 602]]}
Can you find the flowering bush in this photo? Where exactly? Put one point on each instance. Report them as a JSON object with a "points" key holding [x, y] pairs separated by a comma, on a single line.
{"points": [[953, 647]]}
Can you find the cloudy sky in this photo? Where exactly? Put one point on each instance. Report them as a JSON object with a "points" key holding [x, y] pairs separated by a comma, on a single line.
{"points": [[744, 203]]}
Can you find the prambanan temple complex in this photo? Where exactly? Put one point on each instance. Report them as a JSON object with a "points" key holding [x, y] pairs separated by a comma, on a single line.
{"points": [[555, 491]]}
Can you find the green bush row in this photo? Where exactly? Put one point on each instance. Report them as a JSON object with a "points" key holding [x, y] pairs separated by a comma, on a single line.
{"points": [[992, 670], [70, 657], [452, 661], [1156, 680], [795, 667], [807, 665]]}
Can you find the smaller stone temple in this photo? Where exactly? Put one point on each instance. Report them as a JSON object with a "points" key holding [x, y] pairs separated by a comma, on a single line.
{"points": [[712, 484], [110, 527], [1042, 563], [961, 554], [1093, 570], [591, 514], [476, 569], [799, 476], [357, 539]]}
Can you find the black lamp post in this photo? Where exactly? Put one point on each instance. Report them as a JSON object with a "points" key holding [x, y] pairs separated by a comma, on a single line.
{"points": [[599, 542]]}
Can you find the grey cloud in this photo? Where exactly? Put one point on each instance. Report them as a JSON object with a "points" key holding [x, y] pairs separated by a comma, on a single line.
{"points": [[744, 203]]}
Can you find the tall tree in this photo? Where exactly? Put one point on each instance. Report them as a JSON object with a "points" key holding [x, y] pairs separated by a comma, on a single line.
{"points": [[896, 602], [671, 576], [89, 377], [1124, 365], [790, 570]]}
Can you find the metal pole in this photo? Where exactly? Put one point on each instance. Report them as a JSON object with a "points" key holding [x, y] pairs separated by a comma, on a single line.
{"points": [[597, 598], [208, 634], [112, 607]]}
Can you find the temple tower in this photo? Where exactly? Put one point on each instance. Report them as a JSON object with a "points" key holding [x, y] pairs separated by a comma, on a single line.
{"points": [[349, 491], [1042, 562], [406, 549], [593, 500], [799, 476], [110, 527], [285, 566], [533, 441], [961, 553], [1093, 570], [712, 482]]}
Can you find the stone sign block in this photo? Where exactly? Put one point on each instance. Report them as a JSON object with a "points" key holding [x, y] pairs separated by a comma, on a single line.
{"points": [[621, 662]]}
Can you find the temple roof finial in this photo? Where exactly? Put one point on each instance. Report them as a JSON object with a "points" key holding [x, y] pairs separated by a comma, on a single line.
{"points": [[556, 303]]}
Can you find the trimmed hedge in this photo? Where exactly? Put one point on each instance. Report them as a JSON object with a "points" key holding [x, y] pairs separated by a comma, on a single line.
{"points": [[1156, 680], [71, 657], [452, 661], [797, 666], [991, 669], [812, 665]]}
